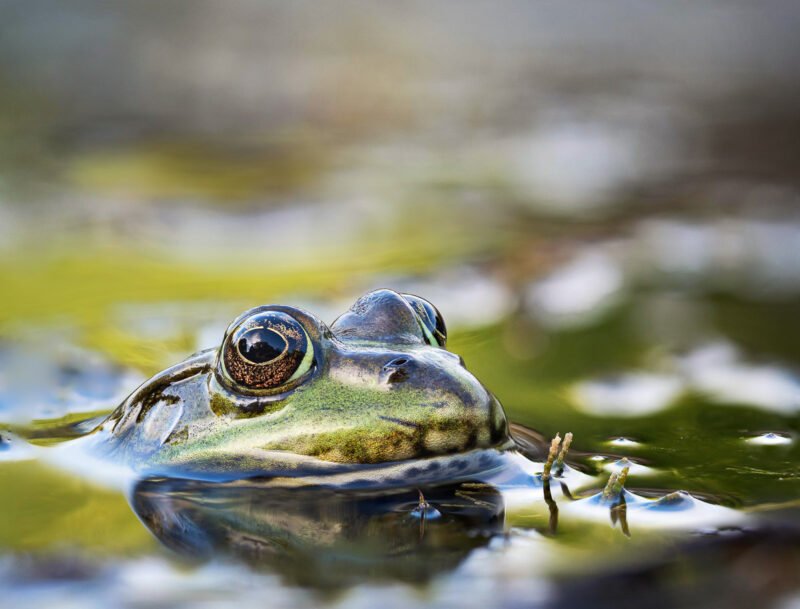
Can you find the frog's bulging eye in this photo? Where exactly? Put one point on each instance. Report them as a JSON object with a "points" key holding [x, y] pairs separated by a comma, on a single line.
{"points": [[430, 320], [268, 350], [261, 346]]}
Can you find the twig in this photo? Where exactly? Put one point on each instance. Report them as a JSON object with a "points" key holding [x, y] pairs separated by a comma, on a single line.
{"points": [[616, 483], [554, 444], [559, 465]]}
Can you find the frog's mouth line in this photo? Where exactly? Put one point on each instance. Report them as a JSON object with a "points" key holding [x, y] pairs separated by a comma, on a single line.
{"points": [[400, 421], [283, 469]]}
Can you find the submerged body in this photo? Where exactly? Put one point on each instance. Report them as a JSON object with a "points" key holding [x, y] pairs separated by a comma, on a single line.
{"points": [[373, 399]]}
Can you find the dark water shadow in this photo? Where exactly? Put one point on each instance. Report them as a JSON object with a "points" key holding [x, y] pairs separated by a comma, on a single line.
{"points": [[727, 569], [322, 538]]}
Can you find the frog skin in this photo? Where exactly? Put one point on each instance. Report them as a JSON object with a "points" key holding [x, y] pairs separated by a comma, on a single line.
{"points": [[373, 400]]}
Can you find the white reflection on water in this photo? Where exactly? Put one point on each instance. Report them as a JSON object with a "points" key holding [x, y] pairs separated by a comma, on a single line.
{"points": [[748, 257], [770, 439], [148, 582], [582, 155], [718, 371], [13, 448], [626, 442], [48, 377], [752, 256], [715, 370], [678, 510], [634, 468], [577, 293], [631, 394], [490, 576]]}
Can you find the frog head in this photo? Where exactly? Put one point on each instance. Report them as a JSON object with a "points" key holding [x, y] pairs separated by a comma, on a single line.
{"points": [[287, 395]]}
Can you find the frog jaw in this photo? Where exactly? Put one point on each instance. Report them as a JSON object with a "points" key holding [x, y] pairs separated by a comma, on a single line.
{"points": [[353, 413], [333, 420]]}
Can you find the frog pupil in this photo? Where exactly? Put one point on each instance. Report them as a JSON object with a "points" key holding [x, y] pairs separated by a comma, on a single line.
{"points": [[261, 345]]}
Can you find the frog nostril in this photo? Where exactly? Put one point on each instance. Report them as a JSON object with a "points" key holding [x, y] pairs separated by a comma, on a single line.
{"points": [[395, 370]]}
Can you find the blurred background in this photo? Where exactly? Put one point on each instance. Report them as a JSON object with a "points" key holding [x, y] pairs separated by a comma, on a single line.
{"points": [[602, 199]]}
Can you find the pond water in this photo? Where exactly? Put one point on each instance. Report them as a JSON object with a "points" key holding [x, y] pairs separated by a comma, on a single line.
{"points": [[603, 203], [689, 389]]}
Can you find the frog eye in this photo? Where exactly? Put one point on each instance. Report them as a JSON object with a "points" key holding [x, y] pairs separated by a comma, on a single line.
{"points": [[430, 320], [268, 350]]}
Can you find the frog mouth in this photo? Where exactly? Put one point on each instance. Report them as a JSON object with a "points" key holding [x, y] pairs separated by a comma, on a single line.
{"points": [[399, 421], [289, 470]]}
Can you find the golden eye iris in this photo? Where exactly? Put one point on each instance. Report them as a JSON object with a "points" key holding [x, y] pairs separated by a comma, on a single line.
{"points": [[267, 350]]}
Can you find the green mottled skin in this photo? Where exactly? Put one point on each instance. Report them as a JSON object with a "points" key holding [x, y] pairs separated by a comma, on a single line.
{"points": [[349, 411]]}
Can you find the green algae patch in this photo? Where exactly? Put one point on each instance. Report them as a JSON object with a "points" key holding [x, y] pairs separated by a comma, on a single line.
{"points": [[86, 283], [190, 169], [46, 432], [49, 510]]}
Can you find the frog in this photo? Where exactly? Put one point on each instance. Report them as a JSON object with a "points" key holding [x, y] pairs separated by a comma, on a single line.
{"points": [[372, 406], [373, 400]]}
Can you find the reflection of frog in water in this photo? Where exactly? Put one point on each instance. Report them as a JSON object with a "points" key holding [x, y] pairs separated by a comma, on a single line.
{"points": [[374, 400], [372, 408], [323, 538]]}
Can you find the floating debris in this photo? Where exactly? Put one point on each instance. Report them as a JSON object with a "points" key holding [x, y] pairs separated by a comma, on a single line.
{"points": [[424, 510], [559, 468], [636, 469], [616, 483], [674, 501], [770, 439], [622, 441], [551, 455], [556, 455]]}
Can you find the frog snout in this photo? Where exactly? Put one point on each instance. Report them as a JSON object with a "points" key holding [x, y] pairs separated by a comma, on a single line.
{"points": [[442, 372], [397, 370], [403, 367], [449, 391]]}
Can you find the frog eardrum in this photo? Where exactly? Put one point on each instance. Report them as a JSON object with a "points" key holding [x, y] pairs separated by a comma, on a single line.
{"points": [[266, 351], [430, 320]]}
